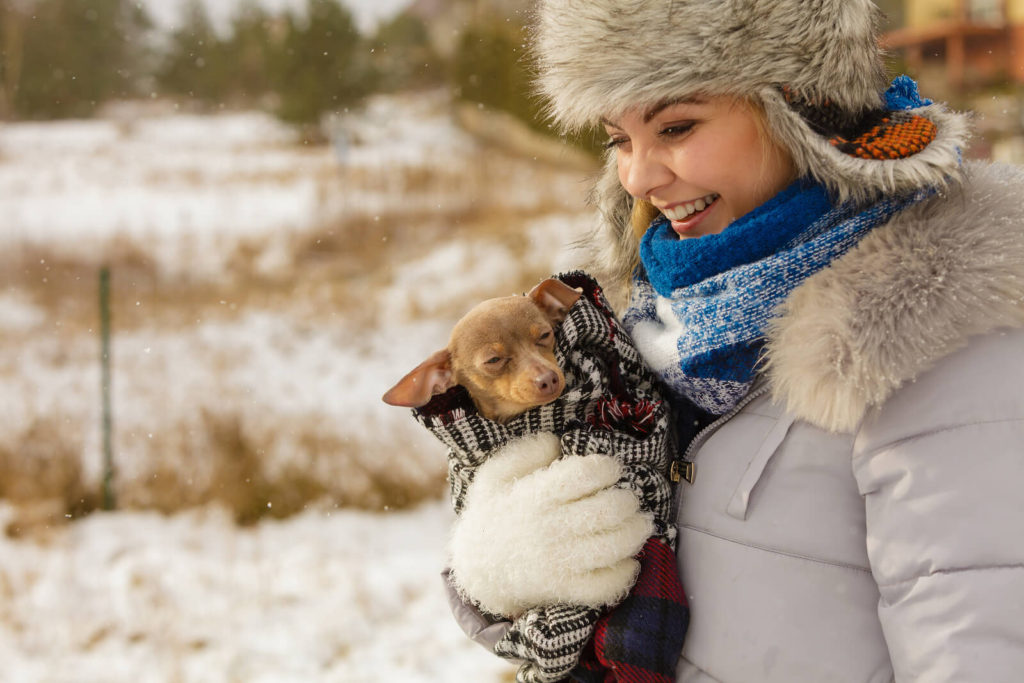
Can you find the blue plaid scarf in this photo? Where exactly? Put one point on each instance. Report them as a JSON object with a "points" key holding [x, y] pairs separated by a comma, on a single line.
{"points": [[701, 306]]}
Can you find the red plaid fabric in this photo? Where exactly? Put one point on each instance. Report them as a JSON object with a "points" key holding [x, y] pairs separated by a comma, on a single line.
{"points": [[639, 641]]}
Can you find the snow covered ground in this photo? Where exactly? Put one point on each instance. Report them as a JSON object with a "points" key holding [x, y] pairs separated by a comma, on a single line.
{"points": [[266, 293], [338, 596]]}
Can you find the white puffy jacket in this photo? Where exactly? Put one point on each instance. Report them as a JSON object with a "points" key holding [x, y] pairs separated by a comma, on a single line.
{"points": [[861, 516]]}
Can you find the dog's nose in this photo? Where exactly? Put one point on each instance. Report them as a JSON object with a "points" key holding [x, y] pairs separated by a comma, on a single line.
{"points": [[547, 382]]}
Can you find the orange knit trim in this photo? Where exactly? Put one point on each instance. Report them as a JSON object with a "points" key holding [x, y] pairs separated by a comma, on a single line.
{"points": [[897, 136]]}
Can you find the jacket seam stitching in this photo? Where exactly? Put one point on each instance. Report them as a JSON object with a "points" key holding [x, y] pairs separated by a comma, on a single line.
{"points": [[956, 570], [775, 551], [933, 432]]}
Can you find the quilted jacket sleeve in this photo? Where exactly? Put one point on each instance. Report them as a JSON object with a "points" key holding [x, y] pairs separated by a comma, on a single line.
{"points": [[478, 626], [941, 468]]}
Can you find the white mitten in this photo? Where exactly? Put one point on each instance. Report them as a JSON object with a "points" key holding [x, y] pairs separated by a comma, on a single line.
{"points": [[536, 530]]}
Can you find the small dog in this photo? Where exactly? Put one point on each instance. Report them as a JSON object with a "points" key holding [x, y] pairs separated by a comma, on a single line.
{"points": [[554, 370], [501, 352]]}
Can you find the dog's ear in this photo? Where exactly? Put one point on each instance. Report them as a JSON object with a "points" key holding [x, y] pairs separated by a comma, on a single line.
{"points": [[555, 298], [431, 377]]}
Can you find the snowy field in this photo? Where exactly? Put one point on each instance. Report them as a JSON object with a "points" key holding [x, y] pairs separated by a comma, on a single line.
{"points": [[137, 597], [276, 521]]}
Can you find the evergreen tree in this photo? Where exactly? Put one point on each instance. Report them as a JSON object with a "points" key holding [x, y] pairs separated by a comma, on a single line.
{"points": [[12, 42], [403, 56], [252, 51], [490, 68], [324, 64], [66, 57], [196, 64]]}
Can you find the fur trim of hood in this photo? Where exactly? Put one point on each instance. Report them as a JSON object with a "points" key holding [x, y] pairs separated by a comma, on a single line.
{"points": [[912, 292]]}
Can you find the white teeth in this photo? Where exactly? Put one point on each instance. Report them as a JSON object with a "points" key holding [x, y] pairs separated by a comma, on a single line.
{"points": [[689, 208]]}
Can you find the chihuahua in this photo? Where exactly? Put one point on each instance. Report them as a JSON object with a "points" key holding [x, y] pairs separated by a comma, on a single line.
{"points": [[501, 352]]}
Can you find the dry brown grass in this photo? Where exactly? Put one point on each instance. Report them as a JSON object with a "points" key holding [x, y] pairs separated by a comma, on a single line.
{"points": [[234, 475], [225, 462], [42, 478]]}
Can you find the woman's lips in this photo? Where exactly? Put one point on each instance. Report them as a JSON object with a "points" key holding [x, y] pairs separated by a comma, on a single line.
{"points": [[685, 226]]}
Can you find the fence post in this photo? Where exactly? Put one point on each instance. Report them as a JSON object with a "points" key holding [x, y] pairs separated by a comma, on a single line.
{"points": [[108, 448]]}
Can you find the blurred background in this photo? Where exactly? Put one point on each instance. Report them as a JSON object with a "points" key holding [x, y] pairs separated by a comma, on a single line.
{"points": [[226, 228]]}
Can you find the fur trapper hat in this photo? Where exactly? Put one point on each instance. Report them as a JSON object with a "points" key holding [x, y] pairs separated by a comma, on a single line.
{"points": [[812, 66]]}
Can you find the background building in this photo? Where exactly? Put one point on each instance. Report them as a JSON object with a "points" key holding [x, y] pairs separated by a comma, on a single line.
{"points": [[953, 44]]}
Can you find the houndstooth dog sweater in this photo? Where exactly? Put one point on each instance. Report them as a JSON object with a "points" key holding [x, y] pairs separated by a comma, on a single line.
{"points": [[612, 405]]}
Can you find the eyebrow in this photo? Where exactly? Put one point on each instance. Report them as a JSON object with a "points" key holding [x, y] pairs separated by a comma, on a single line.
{"points": [[661, 106]]}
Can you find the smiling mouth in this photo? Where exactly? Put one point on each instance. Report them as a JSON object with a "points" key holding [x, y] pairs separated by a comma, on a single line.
{"points": [[687, 209]]}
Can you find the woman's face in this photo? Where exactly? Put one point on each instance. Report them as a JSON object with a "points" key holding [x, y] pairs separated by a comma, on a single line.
{"points": [[703, 162]]}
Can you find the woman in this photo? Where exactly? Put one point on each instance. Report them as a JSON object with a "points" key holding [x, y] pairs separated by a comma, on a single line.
{"points": [[842, 298]]}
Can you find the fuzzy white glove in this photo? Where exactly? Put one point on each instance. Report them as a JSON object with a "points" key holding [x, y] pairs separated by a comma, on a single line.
{"points": [[536, 530]]}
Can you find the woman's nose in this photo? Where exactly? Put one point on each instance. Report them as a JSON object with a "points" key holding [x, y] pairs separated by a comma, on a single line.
{"points": [[644, 171]]}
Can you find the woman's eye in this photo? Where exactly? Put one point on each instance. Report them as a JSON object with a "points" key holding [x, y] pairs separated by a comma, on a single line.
{"points": [[615, 142], [676, 130]]}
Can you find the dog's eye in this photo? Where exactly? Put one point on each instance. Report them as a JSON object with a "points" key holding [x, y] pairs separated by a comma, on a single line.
{"points": [[493, 361]]}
